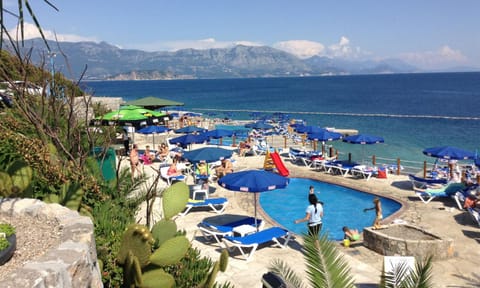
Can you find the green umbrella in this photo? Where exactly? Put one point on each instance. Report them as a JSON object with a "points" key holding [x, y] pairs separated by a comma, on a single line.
{"points": [[129, 115], [154, 102]]}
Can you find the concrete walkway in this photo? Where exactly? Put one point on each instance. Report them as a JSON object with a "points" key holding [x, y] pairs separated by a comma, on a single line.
{"points": [[439, 217]]}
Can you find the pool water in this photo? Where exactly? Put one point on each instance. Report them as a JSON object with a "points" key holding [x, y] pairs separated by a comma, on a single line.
{"points": [[342, 206]]}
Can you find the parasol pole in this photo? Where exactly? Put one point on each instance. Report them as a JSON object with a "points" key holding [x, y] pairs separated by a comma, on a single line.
{"points": [[255, 208]]}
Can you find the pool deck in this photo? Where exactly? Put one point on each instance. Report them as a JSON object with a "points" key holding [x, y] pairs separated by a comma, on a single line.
{"points": [[440, 217]]}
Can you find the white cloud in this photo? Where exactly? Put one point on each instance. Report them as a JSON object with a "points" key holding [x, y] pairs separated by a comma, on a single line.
{"points": [[301, 48], [306, 49], [201, 44], [30, 31], [441, 58]]}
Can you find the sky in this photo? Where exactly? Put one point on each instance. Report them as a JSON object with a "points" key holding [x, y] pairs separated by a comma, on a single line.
{"points": [[430, 34]]}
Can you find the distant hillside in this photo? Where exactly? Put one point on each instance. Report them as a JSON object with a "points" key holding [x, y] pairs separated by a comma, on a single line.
{"points": [[105, 61]]}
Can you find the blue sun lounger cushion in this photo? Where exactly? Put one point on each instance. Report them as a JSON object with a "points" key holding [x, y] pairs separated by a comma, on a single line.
{"points": [[218, 205], [211, 230], [252, 241]]}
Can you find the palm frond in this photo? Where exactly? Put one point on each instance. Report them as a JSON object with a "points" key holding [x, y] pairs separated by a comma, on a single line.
{"points": [[288, 275], [326, 267], [403, 276]]}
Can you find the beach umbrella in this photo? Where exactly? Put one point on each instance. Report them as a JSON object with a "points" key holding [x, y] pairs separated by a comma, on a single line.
{"points": [[449, 152], [207, 154], [253, 181], [153, 129], [188, 139], [190, 129], [363, 139], [153, 103], [325, 136]]}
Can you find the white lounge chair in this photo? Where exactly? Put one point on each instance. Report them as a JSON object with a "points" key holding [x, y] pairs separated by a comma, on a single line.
{"points": [[169, 178], [475, 215], [218, 205], [362, 171]]}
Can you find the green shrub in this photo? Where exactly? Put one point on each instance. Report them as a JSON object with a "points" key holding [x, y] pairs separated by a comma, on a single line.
{"points": [[7, 229], [4, 243]]}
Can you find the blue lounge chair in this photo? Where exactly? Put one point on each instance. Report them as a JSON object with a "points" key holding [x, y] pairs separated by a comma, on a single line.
{"points": [[418, 182], [252, 241], [218, 205], [216, 231], [448, 190]]}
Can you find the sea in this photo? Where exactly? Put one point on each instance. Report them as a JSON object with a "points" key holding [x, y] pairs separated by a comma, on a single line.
{"points": [[410, 111]]}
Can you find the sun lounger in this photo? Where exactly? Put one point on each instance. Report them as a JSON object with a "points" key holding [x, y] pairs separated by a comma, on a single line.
{"points": [[339, 168], [418, 182], [252, 241], [448, 190], [211, 230], [362, 171], [218, 205], [169, 178]]}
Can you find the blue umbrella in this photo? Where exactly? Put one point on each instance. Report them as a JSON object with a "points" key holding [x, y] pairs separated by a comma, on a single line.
{"points": [[219, 133], [254, 181], [259, 125], [190, 129], [207, 154], [153, 129], [363, 139], [325, 135], [449, 152], [188, 139]]}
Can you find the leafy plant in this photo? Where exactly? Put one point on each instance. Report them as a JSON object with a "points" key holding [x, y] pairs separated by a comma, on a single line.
{"points": [[8, 229], [326, 267]]}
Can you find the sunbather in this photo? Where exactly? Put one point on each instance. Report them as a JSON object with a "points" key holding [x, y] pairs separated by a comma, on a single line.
{"points": [[350, 234]]}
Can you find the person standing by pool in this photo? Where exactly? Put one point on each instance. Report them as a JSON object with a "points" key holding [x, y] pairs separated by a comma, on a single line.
{"points": [[378, 212], [314, 214], [311, 190]]}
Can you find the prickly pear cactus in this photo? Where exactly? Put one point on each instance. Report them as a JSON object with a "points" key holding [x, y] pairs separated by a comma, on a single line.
{"points": [[213, 275], [162, 231], [171, 251], [21, 175], [132, 273], [137, 239], [5, 184], [157, 279], [174, 199], [224, 260]]}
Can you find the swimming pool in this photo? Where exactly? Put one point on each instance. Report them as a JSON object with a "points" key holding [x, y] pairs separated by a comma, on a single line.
{"points": [[342, 206]]}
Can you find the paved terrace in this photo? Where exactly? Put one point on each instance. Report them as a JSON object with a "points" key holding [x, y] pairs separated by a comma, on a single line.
{"points": [[440, 217]]}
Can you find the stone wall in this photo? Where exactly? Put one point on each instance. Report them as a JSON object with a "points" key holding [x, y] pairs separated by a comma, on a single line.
{"points": [[409, 243], [72, 264]]}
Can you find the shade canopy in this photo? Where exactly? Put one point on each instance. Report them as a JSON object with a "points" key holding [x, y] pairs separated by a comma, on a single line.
{"points": [[449, 152], [190, 129], [253, 181], [188, 139], [309, 129], [207, 154], [153, 103], [130, 115], [325, 135], [153, 129], [363, 139]]}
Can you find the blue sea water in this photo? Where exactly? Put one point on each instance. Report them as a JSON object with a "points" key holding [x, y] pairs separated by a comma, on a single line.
{"points": [[411, 111]]}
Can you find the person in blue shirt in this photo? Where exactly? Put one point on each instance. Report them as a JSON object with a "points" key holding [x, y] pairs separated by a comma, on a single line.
{"points": [[313, 215]]}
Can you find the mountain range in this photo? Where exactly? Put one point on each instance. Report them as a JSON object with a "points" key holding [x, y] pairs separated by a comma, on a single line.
{"points": [[103, 61]]}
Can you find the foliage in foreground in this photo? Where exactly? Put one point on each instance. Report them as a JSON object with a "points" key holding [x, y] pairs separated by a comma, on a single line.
{"points": [[326, 267]]}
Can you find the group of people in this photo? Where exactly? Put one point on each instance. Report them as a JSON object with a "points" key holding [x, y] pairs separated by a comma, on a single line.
{"points": [[314, 216]]}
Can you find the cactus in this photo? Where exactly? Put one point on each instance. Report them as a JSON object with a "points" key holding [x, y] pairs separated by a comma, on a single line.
{"points": [[174, 199], [137, 239], [171, 251], [157, 279], [16, 180], [213, 275], [132, 274], [224, 260], [162, 231]]}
